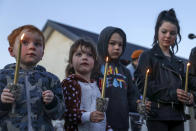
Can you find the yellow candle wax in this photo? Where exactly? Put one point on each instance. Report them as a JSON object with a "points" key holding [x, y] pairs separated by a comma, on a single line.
{"points": [[104, 78], [145, 85], [18, 61], [187, 75]]}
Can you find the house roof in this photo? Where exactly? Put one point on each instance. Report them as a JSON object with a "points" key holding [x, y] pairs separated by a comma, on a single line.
{"points": [[75, 33]]}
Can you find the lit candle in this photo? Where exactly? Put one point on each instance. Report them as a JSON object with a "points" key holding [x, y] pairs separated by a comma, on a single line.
{"points": [[104, 78], [187, 75], [18, 60], [145, 86]]}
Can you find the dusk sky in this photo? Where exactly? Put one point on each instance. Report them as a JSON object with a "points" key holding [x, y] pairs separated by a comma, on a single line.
{"points": [[136, 17]]}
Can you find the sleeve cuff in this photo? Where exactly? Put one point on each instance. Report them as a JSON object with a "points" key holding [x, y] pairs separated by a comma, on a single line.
{"points": [[52, 104], [173, 94], [194, 96], [5, 106], [85, 117]]}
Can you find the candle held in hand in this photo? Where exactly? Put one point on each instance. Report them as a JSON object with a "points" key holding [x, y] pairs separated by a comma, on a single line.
{"points": [[104, 78]]}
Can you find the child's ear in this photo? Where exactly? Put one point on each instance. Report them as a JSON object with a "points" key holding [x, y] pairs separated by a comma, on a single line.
{"points": [[11, 51]]}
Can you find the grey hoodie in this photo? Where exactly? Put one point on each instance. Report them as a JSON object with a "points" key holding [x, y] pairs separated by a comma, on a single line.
{"points": [[106, 33], [120, 90]]}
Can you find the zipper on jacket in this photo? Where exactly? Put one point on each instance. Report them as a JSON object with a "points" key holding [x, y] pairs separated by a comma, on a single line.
{"points": [[180, 81], [173, 72], [27, 86]]}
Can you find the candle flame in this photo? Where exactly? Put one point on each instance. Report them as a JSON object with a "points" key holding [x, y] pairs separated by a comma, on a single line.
{"points": [[148, 71], [188, 64], [107, 59], [22, 37]]}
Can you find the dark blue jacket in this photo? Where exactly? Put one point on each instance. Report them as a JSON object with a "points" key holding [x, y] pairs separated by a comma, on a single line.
{"points": [[30, 108]]}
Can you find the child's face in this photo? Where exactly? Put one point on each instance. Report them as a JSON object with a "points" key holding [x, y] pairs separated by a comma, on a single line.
{"points": [[83, 61], [115, 46], [32, 48]]}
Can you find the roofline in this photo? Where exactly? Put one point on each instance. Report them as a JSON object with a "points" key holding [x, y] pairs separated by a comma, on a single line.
{"points": [[74, 37], [60, 29]]}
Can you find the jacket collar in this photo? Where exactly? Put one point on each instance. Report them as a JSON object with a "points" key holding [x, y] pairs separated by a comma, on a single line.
{"points": [[158, 52], [12, 66], [173, 64], [79, 78]]}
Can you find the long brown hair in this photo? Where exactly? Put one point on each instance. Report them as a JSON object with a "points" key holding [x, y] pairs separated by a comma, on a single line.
{"points": [[82, 43]]}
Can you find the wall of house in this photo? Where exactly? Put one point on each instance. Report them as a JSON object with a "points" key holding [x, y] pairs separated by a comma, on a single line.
{"points": [[56, 54]]}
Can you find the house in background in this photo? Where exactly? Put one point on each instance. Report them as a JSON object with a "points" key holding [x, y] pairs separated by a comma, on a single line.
{"points": [[59, 37]]}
